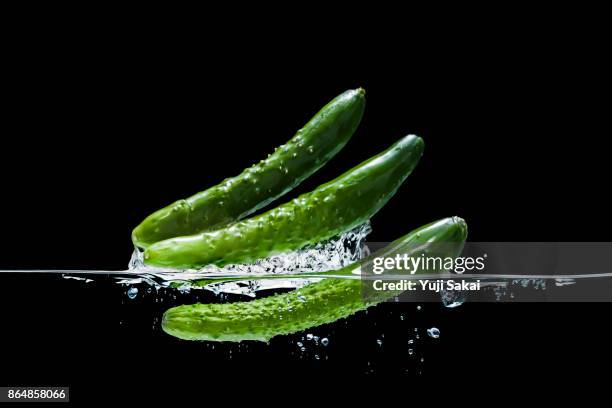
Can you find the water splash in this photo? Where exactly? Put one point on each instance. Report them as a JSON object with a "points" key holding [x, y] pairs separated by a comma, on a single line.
{"points": [[78, 278], [332, 254], [564, 282], [251, 287], [452, 298]]}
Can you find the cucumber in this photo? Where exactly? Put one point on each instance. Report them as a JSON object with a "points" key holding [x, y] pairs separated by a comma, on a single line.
{"points": [[234, 198], [329, 210], [314, 304]]}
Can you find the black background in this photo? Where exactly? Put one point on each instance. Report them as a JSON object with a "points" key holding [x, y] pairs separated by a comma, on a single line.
{"points": [[100, 130]]}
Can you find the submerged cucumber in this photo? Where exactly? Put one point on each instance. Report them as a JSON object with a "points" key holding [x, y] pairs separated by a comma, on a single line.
{"points": [[313, 146], [329, 210], [315, 304]]}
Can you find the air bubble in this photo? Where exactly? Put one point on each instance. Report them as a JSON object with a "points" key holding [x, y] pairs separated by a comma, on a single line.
{"points": [[434, 332], [132, 292]]}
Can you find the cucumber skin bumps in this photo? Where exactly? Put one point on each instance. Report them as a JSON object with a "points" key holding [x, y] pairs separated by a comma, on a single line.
{"points": [[314, 304], [327, 211], [235, 198]]}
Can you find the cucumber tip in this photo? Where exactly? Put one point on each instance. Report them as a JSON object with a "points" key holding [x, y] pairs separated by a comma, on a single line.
{"points": [[461, 223]]}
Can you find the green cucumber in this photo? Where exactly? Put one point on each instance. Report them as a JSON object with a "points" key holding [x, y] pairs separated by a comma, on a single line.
{"points": [[235, 198], [329, 210], [314, 304]]}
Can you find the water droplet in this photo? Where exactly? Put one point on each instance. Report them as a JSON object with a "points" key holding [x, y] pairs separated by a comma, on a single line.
{"points": [[310, 149], [300, 344], [309, 336], [410, 341], [434, 332], [419, 307], [410, 351], [303, 349], [325, 341], [302, 298], [316, 356], [379, 342], [132, 292]]}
